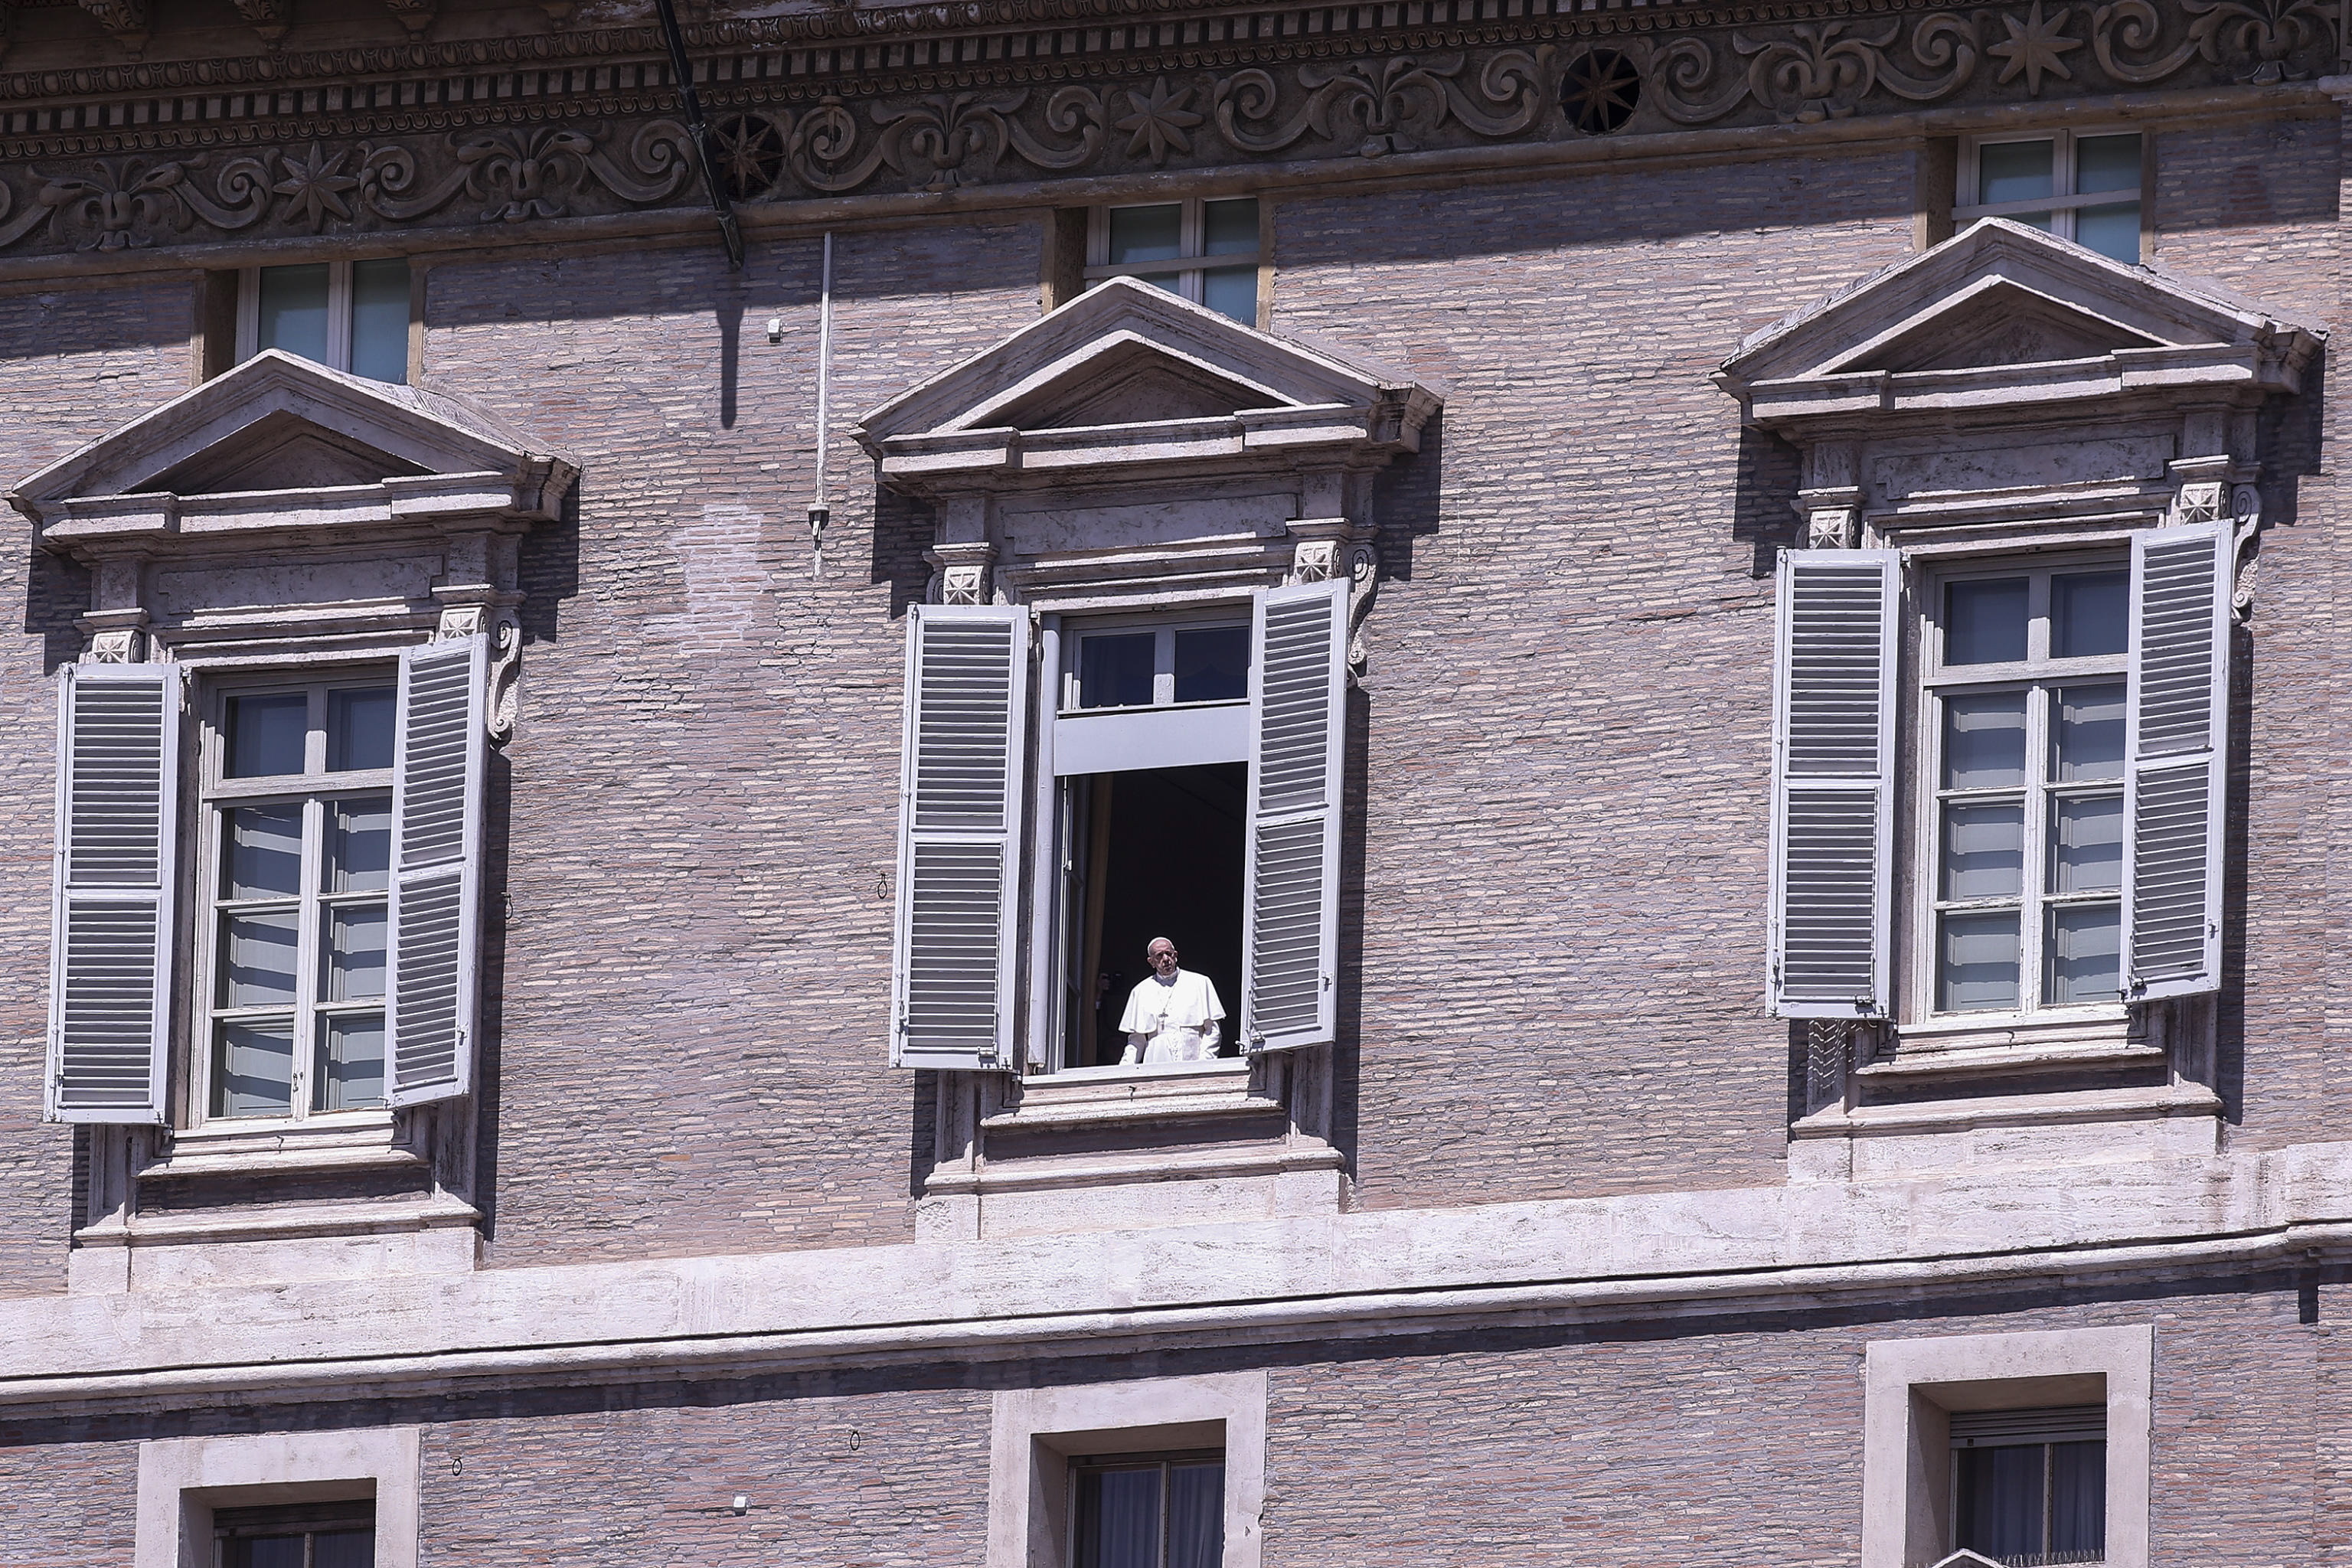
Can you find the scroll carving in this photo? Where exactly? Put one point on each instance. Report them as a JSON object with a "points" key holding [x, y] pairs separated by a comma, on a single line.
{"points": [[2257, 40], [1818, 70], [1391, 100], [124, 204]]}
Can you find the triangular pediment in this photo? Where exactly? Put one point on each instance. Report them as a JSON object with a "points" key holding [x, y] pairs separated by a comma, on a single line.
{"points": [[2007, 302], [1130, 354], [280, 424]]}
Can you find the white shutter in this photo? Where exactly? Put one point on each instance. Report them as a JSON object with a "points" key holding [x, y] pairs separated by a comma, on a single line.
{"points": [[432, 997], [1290, 902], [111, 956], [959, 836], [1834, 783], [2174, 745]]}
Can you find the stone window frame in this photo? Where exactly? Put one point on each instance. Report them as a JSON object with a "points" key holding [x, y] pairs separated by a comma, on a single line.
{"points": [[182, 1480], [1912, 1386], [424, 557], [1034, 1433]]}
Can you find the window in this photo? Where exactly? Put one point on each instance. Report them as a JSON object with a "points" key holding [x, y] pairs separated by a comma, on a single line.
{"points": [[313, 1535], [2086, 188], [2030, 1487], [1149, 1511], [1151, 743], [297, 850], [346, 315], [337, 877], [1178, 776], [2027, 693], [1164, 1472], [2072, 716], [2023, 1449], [1219, 237]]}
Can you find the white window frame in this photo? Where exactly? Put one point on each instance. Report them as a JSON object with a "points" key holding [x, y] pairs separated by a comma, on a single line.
{"points": [[215, 791], [1912, 1386], [1191, 264], [1927, 903], [1034, 1433], [339, 311], [1076, 629], [2063, 202], [182, 1480]]}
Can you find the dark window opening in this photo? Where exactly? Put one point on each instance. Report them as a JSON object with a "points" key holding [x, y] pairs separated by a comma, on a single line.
{"points": [[303, 1535], [2030, 1487], [1151, 853], [1149, 1511]]}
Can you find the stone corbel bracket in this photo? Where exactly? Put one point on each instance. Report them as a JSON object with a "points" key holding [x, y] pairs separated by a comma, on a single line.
{"points": [[1131, 449], [404, 523]]}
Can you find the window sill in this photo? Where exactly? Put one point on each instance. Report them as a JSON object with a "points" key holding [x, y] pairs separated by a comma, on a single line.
{"points": [[347, 1140], [1113, 1096], [1945, 1048]]}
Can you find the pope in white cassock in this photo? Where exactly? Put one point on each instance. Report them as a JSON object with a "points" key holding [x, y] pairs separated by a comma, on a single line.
{"points": [[1173, 1016]]}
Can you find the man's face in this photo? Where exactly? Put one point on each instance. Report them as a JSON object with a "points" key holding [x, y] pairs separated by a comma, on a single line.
{"points": [[1162, 958]]}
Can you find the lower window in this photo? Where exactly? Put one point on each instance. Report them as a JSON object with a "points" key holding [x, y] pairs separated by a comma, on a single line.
{"points": [[309, 1535], [1149, 1511], [2030, 1487]]}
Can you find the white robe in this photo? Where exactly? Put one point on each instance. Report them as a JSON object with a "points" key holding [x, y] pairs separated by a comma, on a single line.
{"points": [[1172, 1021]]}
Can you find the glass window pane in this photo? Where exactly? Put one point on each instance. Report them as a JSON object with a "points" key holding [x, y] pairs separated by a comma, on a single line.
{"points": [[1977, 959], [359, 845], [2105, 163], [359, 728], [354, 956], [252, 1071], [264, 852], [293, 310], [1116, 672], [265, 734], [1984, 851], [2083, 949], [349, 1074], [1196, 1516], [2086, 729], [1984, 622], [1999, 1505], [1118, 1518], [258, 957], [2078, 1499], [1213, 663], [1146, 233], [2111, 229], [1984, 741], [1229, 228], [1232, 291], [2086, 844], [2090, 613], [2013, 172], [380, 319], [2031, 220], [275, 1551]]}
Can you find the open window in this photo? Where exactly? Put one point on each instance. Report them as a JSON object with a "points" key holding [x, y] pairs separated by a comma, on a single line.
{"points": [[1179, 777]]}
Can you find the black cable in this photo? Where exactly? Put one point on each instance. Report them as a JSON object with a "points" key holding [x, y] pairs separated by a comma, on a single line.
{"points": [[729, 230]]}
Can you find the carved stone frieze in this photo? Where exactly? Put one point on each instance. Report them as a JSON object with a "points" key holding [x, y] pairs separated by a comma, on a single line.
{"points": [[579, 122]]}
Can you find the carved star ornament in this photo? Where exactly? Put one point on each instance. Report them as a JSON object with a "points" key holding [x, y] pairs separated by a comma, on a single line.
{"points": [[2035, 43]]}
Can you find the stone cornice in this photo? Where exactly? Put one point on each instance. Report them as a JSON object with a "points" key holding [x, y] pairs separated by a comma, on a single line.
{"points": [[394, 144], [1360, 1275]]}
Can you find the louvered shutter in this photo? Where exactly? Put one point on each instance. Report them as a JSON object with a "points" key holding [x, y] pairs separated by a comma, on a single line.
{"points": [[1834, 783], [959, 835], [2173, 742], [111, 956], [1290, 936], [433, 999]]}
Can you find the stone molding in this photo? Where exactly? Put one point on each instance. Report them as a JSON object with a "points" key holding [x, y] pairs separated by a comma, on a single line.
{"points": [[182, 1480], [1405, 1272], [381, 139]]}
